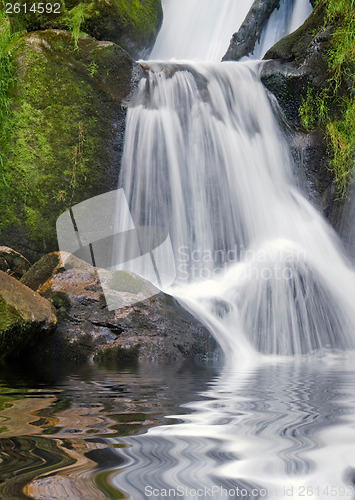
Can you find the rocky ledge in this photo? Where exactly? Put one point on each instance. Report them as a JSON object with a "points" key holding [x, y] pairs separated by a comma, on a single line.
{"points": [[66, 296]]}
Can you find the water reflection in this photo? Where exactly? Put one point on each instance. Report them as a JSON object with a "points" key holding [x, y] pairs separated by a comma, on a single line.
{"points": [[54, 423], [277, 430]]}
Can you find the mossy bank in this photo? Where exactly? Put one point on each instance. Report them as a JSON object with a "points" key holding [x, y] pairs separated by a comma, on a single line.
{"points": [[311, 72], [66, 132], [64, 80], [132, 24]]}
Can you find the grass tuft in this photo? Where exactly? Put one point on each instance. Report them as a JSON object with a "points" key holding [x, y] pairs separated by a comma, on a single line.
{"points": [[333, 107]]}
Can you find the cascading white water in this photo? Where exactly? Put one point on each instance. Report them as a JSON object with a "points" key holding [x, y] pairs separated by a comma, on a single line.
{"points": [[282, 22], [202, 29], [205, 158], [207, 28]]}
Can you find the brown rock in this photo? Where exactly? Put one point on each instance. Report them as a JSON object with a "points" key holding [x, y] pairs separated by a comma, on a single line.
{"points": [[143, 326], [12, 262], [25, 317]]}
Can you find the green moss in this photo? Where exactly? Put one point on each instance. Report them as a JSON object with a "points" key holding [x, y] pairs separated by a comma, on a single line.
{"points": [[314, 109], [15, 333], [7, 81], [82, 347], [9, 317], [132, 24], [75, 19], [341, 137], [60, 300], [57, 144], [331, 107]]}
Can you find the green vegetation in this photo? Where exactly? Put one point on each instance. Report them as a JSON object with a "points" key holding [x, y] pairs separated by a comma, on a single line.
{"points": [[7, 80], [8, 317], [40, 141], [60, 95], [76, 17], [57, 143], [333, 107], [132, 24]]}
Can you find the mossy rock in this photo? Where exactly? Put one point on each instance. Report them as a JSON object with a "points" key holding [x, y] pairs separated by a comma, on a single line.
{"points": [[298, 71], [132, 24], [306, 48], [66, 140], [24, 317], [295, 61], [42, 270]]}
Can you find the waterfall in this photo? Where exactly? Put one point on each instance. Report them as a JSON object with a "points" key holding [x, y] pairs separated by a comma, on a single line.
{"points": [[282, 22], [198, 29], [206, 160], [202, 29]]}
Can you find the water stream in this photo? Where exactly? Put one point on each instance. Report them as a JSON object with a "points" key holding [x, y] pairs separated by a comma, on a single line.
{"points": [[206, 159]]}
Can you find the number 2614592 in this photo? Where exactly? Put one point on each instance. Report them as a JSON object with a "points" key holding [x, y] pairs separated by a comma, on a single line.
{"points": [[39, 8]]}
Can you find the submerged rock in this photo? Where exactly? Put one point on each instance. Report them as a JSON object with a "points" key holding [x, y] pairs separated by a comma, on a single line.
{"points": [[13, 263], [67, 142], [145, 326], [25, 317]]}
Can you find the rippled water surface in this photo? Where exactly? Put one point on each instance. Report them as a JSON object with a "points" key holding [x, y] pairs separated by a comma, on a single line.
{"points": [[278, 429], [55, 424]]}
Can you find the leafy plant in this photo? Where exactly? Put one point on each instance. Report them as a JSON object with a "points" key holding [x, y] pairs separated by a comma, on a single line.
{"points": [[93, 68], [75, 20]]}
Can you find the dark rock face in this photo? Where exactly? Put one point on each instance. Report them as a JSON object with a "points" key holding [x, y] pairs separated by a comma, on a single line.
{"points": [[294, 63], [154, 327], [244, 41], [25, 317], [13, 263], [68, 139]]}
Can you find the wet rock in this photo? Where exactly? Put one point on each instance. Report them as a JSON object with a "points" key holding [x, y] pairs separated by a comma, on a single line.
{"points": [[293, 65], [25, 317], [244, 41], [144, 326], [13, 263]]}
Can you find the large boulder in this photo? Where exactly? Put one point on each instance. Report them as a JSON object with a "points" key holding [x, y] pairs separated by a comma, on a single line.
{"points": [[25, 317], [67, 142], [146, 324], [132, 24]]}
